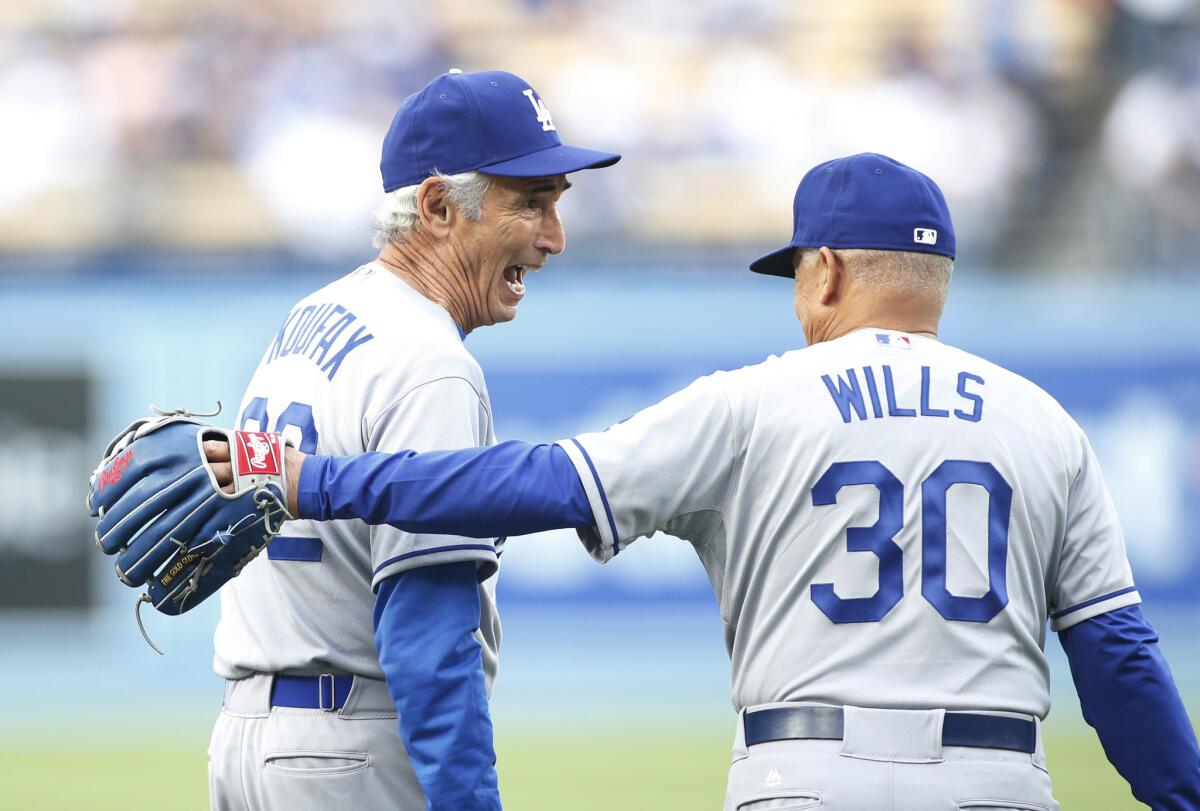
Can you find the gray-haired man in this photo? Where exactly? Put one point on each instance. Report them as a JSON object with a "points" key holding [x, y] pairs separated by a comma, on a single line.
{"points": [[343, 626]]}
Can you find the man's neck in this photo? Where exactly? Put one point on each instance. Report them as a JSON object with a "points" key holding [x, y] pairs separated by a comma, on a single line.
{"points": [[436, 276], [898, 314]]}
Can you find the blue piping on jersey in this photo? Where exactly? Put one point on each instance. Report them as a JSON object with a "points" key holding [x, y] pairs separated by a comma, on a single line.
{"points": [[1093, 601], [452, 548], [603, 496]]}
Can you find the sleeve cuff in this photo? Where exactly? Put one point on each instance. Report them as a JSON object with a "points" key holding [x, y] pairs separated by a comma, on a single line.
{"points": [[483, 554], [602, 541], [308, 488], [1094, 607]]}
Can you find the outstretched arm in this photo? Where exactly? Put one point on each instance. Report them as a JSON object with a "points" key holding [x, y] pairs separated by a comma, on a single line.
{"points": [[613, 487], [1127, 694], [513, 488]]}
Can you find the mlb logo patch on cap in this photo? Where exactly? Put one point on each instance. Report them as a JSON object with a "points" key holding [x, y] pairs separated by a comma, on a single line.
{"points": [[925, 236]]}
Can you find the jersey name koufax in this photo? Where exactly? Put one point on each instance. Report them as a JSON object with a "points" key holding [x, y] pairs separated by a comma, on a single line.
{"points": [[887, 521], [364, 364]]}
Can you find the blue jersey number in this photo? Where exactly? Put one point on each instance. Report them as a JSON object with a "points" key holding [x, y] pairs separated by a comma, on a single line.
{"points": [[296, 415], [876, 538], [879, 538]]}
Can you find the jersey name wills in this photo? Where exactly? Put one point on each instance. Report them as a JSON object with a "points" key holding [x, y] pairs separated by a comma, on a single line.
{"points": [[320, 332], [869, 393]]}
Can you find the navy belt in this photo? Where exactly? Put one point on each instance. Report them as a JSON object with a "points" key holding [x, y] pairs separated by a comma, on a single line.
{"points": [[826, 723], [325, 692]]}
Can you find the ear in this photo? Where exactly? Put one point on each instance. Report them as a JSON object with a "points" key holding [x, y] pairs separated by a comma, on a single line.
{"points": [[434, 209], [832, 276]]}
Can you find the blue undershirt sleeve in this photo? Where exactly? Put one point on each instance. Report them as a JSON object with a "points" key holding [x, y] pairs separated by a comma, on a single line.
{"points": [[1128, 695], [425, 623], [513, 488]]}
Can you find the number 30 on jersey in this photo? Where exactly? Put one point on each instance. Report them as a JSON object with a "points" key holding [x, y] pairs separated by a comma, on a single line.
{"points": [[879, 539]]}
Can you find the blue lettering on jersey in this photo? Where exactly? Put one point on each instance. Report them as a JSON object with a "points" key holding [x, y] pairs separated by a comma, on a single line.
{"points": [[277, 344], [847, 395], [977, 412], [319, 322], [926, 409], [889, 386], [289, 346], [302, 327], [354, 343], [873, 390], [849, 398], [305, 330], [332, 334]]}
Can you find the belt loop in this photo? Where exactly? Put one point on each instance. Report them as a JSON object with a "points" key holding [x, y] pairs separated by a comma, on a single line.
{"points": [[331, 705]]}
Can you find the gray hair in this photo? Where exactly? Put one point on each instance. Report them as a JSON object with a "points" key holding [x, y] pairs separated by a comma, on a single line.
{"points": [[899, 271], [396, 216]]}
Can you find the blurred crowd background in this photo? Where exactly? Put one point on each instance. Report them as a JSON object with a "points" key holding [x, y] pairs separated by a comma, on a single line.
{"points": [[175, 174], [1066, 133]]}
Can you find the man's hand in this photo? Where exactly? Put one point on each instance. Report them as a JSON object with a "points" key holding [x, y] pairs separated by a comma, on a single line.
{"points": [[216, 452], [177, 525]]}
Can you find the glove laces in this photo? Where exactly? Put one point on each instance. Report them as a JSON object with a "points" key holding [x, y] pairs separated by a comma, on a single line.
{"points": [[183, 412], [274, 514]]}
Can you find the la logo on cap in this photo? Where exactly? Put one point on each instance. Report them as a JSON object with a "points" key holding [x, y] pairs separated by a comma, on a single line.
{"points": [[541, 110], [925, 236]]}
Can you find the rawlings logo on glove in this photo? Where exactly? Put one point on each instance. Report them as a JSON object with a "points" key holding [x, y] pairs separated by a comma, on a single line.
{"points": [[165, 516], [259, 452], [112, 473]]}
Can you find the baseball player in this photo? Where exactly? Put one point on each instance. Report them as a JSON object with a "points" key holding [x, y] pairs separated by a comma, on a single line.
{"points": [[888, 522], [343, 626]]}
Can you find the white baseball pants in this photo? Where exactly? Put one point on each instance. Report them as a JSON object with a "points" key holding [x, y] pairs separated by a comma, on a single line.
{"points": [[290, 759]]}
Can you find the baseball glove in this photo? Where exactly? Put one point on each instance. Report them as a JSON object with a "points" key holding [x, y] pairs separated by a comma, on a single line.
{"points": [[165, 517]]}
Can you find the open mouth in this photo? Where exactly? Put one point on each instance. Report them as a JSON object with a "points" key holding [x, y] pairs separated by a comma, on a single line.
{"points": [[514, 277]]}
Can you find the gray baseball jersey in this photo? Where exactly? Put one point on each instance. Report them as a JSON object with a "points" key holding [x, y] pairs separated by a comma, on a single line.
{"points": [[887, 521], [364, 364]]}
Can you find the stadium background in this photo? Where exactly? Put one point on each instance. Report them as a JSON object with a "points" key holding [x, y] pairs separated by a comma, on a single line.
{"points": [[175, 173]]}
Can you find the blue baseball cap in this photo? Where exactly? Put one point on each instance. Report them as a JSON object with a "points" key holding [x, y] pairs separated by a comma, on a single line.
{"points": [[864, 201], [490, 121]]}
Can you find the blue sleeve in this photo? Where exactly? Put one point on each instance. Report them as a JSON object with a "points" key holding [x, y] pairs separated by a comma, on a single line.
{"points": [[425, 623], [1128, 695], [513, 488]]}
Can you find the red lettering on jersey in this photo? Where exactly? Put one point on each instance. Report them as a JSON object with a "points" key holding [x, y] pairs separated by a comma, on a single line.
{"points": [[258, 453], [112, 474]]}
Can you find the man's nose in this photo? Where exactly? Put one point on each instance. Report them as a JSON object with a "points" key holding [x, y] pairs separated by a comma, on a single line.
{"points": [[552, 238]]}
